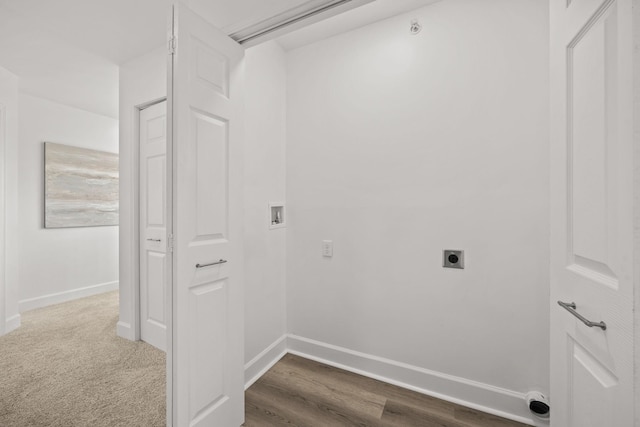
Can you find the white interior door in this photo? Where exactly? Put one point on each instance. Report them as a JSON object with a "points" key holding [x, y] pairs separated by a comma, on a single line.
{"points": [[153, 225], [591, 213], [205, 104]]}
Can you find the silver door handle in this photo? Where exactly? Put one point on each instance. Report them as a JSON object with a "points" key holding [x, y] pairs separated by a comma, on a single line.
{"points": [[222, 261], [571, 308], [154, 240]]}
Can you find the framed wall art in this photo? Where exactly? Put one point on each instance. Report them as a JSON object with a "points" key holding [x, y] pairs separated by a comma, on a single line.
{"points": [[81, 187]]}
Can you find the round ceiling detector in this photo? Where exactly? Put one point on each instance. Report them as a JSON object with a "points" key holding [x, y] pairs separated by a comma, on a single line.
{"points": [[415, 27]]}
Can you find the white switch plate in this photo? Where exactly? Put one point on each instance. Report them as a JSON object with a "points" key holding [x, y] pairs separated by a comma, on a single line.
{"points": [[327, 248]]}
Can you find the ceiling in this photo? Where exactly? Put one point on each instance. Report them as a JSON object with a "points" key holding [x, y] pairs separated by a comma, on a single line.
{"points": [[350, 20], [69, 50]]}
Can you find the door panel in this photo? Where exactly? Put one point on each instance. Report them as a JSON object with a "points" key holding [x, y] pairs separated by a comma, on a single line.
{"points": [[156, 274], [156, 173], [592, 146], [211, 169], [153, 225], [591, 213], [209, 303], [591, 388], [206, 103]]}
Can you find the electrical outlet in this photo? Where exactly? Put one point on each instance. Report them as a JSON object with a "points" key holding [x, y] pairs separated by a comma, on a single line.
{"points": [[327, 248], [453, 258]]}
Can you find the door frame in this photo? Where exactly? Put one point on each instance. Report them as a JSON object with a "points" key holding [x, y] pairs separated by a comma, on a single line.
{"points": [[3, 239], [136, 311], [131, 272], [133, 239]]}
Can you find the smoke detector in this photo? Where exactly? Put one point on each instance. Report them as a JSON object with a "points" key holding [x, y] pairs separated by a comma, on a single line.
{"points": [[415, 27]]}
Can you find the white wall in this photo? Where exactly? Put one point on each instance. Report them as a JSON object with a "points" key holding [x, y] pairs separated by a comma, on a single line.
{"points": [[264, 148], [142, 80], [400, 146], [636, 123], [59, 264], [9, 313]]}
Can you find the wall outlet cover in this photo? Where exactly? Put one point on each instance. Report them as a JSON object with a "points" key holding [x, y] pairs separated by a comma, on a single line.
{"points": [[453, 258]]}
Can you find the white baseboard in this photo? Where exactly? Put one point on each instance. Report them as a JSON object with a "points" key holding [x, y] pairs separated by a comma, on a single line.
{"points": [[124, 330], [260, 364], [472, 394], [12, 323], [57, 298]]}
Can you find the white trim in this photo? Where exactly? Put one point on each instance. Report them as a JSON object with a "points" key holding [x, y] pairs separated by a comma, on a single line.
{"points": [[482, 397], [260, 364], [124, 330], [12, 323], [3, 272], [636, 257], [57, 298], [133, 240]]}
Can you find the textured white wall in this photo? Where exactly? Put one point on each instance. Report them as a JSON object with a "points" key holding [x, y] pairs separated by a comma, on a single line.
{"points": [[399, 146], [264, 147], [9, 313], [142, 80], [55, 261], [636, 74]]}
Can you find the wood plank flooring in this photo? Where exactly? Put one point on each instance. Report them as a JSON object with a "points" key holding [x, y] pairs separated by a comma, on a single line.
{"points": [[301, 392]]}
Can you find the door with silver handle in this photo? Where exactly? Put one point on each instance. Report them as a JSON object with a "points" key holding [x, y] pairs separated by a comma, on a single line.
{"points": [[571, 308]]}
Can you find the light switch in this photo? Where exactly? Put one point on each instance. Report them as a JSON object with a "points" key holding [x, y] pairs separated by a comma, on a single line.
{"points": [[327, 248]]}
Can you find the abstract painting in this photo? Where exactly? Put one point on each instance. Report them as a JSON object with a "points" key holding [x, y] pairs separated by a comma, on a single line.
{"points": [[81, 187]]}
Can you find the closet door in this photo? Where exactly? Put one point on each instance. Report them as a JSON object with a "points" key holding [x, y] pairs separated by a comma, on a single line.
{"points": [[592, 224], [153, 225], [205, 101]]}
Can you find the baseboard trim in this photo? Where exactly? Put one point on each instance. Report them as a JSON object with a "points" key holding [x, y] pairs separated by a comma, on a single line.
{"points": [[12, 323], [57, 298], [124, 330], [260, 364], [483, 397]]}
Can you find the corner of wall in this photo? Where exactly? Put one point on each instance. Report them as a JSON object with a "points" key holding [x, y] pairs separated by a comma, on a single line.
{"points": [[482, 397], [260, 364], [265, 247], [9, 315], [12, 323], [124, 330]]}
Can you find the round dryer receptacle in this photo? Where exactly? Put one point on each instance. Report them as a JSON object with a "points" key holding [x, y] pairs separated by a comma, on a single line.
{"points": [[538, 404]]}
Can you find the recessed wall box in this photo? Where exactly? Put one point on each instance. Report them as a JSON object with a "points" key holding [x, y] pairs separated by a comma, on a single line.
{"points": [[276, 215], [453, 258], [327, 248]]}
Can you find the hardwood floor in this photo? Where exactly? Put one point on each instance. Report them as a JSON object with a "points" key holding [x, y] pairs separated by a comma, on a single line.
{"points": [[301, 392]]}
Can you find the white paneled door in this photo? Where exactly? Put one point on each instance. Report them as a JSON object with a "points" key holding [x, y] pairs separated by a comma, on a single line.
{"points": [[205, 106], [153, 225], [591, 213]]}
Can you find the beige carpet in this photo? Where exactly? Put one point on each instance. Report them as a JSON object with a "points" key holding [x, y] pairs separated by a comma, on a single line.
{"points": [[65, 366]]}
